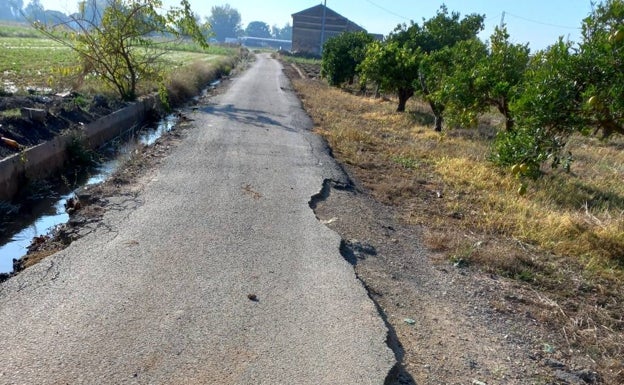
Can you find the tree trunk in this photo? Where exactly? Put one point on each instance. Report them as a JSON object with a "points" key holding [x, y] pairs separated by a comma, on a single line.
{"points": [[404, 95], [438, 123], [610, 127], [437, 114], [503, 108], [435, 108]]}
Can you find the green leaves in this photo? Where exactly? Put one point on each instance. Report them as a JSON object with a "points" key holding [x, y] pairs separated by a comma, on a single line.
{"points": [[600, 62], [341, 56], [564, 89], [418, 58], [457, 89], [122, 45], [258, 29], [393, 67], [225, 22]]}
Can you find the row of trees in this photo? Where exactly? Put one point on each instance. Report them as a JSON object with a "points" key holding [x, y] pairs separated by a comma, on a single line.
{"points": [[14, 10], [225, 20], [226, 23], [543, 97]]}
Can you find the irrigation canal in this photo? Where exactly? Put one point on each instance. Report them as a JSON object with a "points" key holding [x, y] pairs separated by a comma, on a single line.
{"points": [[41, 215]]}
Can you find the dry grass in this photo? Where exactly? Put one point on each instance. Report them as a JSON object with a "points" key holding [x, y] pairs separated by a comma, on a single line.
{"points": [[192, 78], [565, 236]]}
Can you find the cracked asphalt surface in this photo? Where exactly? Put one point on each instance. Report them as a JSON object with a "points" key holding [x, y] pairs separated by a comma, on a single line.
{"points": [[215, 272]]}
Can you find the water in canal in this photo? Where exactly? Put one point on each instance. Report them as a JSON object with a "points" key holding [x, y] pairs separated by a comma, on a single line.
{"points": [[46, 211]]}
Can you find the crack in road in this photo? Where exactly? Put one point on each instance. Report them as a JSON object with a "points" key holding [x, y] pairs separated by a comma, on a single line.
{"points": [[351, 251]]}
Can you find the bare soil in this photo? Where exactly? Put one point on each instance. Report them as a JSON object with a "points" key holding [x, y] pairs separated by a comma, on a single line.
{"points": [[450, 324], [62, 112]]}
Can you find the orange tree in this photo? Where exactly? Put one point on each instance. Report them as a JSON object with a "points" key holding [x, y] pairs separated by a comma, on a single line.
{"points": [[410, 62], [569, 88], [601, 66], [341, 56], [393, 67], [500, 73]]}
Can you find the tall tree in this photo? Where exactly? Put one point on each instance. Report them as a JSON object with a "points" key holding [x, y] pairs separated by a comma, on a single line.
{"points": [[225, 22], [258, 29], [284, 33], [35, 11]]}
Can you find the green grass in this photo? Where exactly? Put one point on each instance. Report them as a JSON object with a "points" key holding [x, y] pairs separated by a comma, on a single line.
{"points": [[183, 58], [33, 62], [300, 60], [14, 112], [193, 47], [14, 29], [37, 62]]}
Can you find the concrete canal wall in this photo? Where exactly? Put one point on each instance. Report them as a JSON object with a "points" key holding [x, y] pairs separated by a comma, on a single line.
{"points": [[47, 158]]}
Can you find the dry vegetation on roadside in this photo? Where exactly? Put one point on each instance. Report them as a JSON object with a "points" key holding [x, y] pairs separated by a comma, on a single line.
{"points": [[564, 238], [195, 76]]}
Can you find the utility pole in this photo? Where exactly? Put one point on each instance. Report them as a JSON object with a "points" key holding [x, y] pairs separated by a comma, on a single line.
{"points": [[323, 27], [502, 23]]}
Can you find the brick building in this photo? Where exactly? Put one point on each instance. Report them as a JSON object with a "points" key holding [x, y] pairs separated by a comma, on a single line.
{"points": [[307, 26]]}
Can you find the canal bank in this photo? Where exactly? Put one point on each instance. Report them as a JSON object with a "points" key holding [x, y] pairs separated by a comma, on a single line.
{"points": [[45, 159]]}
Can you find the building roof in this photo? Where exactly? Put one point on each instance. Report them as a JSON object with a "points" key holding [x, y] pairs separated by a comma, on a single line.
{"points": [[317, 11]]}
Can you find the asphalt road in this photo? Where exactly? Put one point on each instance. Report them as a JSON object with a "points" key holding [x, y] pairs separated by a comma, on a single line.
{"points": [[160, 294]]}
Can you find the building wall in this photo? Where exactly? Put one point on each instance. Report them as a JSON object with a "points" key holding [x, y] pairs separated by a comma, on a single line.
{"points": [[307, 27]]}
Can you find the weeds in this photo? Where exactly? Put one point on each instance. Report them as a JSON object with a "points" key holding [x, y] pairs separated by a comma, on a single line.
{"points": [[79, 153], [185, 84], [12, 113]]}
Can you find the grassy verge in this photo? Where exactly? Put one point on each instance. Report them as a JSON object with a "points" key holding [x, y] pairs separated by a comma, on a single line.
{"points": [[30, 61], [193, 77], [564, 238], [15, 29]]}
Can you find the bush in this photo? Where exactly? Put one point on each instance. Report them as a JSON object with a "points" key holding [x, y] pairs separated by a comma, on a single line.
{"points": [[530, 147], [341, 56]]}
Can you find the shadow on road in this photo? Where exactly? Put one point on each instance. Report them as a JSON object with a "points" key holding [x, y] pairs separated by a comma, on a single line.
{"points": [[251, 117]]}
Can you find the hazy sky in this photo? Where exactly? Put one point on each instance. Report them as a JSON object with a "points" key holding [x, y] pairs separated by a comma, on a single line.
{"points": [[538, 22]]}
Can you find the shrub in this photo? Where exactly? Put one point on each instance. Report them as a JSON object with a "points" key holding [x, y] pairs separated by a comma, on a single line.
{"points": [[341, 56]]}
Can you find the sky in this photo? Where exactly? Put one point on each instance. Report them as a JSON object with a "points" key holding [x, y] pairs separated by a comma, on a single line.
{"points": [[537, 22]]}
